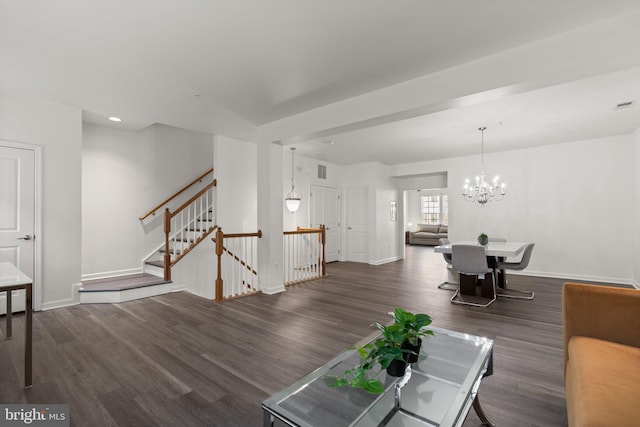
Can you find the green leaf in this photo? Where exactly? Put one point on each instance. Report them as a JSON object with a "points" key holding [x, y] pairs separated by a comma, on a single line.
{"points": [[359, 383], [374, 387], [423, 320], [363, 352]]}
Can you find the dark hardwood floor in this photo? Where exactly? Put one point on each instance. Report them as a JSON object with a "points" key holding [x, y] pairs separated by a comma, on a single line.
{"points": [[180, 360]]}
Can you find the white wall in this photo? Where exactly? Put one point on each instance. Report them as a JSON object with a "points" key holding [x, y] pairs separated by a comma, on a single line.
{"points": [[236, 171], [58, 129], [572, 199], [124, 174], [389, 245], [305, 175], [412, 210], [270, 208]]}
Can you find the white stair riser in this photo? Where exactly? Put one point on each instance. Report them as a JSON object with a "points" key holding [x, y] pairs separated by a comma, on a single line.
{"points": [[152, 269], [109, 297]]}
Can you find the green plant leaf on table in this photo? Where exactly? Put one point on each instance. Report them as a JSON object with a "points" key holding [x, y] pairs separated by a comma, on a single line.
{"points": [[407, 327]]}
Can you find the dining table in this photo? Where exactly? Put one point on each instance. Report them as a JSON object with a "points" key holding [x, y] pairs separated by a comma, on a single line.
{"points": [[494, 251]]}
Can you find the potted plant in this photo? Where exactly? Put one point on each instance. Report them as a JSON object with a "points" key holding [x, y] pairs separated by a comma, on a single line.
{"points": [[483, 239], [388, 352], [413, 325]]}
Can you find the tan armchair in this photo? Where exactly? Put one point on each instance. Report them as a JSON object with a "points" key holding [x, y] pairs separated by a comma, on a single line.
{"points": [[601, 327]]}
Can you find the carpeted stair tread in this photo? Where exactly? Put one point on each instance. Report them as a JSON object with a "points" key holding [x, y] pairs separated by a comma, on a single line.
{"points": [[121, 283], [156, 263]]}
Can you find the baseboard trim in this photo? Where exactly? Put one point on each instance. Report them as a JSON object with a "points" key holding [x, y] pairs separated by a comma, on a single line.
{"points": [[578, 277], [178, 287], [107, 274], [385, 261], [272, 290], [74, 300]]}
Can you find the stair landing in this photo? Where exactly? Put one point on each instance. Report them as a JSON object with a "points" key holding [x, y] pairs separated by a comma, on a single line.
{"points": [[123, 288]]}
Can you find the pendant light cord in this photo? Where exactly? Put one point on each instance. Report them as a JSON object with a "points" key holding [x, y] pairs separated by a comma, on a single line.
{"points": [[292, 184], [482, 129]]}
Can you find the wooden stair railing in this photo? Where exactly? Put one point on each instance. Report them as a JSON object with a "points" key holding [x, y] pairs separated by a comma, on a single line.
{"points": [[244, 278], [304, 257], [187, 226], [176, 194]]}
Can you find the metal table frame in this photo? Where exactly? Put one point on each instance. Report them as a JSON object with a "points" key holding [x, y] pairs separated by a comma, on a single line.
{"points": [[12, 279]]}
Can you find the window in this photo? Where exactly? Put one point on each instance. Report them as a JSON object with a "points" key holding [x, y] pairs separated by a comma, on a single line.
{"points": [[435, 209]]}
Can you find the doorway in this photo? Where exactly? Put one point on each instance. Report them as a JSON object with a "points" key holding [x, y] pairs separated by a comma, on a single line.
{"points": [[357, 230], [18, 215], [325, 209]]}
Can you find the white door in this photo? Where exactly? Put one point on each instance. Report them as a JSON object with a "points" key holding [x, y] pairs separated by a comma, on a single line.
{"points": [[325, 209], [17, 215], [357, 232]]}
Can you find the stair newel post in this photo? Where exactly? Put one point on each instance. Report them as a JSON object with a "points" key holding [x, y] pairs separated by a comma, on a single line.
{"points": [[167, 253], [219, 239], [323, 236]]}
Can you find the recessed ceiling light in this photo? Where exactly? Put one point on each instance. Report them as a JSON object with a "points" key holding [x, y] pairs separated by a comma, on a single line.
{"points": [[328, 142], [115, 119]]}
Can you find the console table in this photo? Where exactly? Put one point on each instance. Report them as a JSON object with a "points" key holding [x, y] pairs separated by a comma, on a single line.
{"points": [[12, 279]]}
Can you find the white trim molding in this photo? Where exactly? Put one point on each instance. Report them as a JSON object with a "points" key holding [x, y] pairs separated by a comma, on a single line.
{"points": [[108, 274], [384, 261], [579, 277]]}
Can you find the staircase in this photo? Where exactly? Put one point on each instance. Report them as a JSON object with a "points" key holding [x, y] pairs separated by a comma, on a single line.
{"points": [[184, 228], [190, 232]]}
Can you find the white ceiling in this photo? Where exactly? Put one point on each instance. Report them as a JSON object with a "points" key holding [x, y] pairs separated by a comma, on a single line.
{"points": [[253, 62]]}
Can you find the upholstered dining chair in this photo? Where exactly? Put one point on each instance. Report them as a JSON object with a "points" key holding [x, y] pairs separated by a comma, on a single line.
{"points": [[448, 285], [518, 266], [472, 261]]}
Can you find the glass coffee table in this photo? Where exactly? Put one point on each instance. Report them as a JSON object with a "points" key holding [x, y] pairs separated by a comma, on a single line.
{"points": [[438, 390]]}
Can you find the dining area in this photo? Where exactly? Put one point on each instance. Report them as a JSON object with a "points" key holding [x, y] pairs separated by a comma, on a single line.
{"points": [[477, 270]]}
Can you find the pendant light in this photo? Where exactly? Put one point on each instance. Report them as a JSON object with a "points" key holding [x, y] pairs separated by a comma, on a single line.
{"points": [[483, 191], [293, 198]]}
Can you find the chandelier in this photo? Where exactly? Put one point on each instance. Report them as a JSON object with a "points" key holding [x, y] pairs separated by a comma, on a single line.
{"points": [[483, 191], [293, 198]]}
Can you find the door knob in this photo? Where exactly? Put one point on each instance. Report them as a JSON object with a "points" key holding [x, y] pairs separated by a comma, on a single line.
{"points": [[348, 228], [26, 237]]}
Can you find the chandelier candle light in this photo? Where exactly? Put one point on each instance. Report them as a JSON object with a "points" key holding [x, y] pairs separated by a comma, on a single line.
{"points": [[483, 191], [293, 198]]}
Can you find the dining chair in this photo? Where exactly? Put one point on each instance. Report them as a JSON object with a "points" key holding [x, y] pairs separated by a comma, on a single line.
{"points": [[447, 285], [472, 261], [517, 266]]}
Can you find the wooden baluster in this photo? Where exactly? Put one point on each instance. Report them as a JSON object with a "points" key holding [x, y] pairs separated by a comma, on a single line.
{"points": [[167, 255], [324, 242], [219, 252]]}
